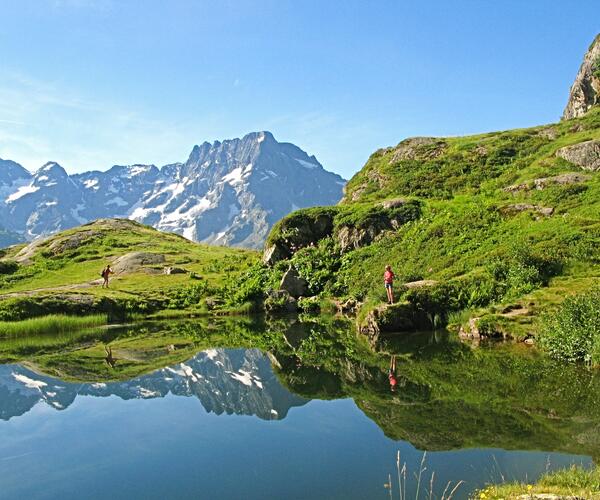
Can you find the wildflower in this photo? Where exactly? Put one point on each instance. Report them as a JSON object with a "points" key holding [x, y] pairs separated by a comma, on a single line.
{"points": [[529, 487]]}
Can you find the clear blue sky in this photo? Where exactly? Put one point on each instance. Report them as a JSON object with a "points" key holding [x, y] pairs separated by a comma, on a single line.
{"points": [[92, 83]]}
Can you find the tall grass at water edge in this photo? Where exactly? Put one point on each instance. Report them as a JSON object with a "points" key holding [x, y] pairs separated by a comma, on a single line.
{"points": [[52, 324]]}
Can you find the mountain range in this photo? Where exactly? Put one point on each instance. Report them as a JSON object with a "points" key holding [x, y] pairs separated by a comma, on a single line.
{"points": [[226, 193], [230, 381]]}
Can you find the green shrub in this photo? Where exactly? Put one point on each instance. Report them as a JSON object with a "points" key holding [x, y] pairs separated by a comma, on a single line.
{"points": [[8, 266], [572, 332], [318, 264], [187, 296], [596, 68]]}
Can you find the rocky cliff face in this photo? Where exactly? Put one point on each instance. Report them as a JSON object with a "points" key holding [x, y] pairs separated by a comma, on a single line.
{"points": [[585, 91], [231, 381], [226, 193]]}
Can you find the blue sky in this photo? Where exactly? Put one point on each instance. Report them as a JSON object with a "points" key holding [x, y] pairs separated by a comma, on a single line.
{"points": [[92, 83]]}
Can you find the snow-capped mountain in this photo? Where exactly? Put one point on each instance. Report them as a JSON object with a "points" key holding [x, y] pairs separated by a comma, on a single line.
{"points": [[226, 193], [231, 381]]}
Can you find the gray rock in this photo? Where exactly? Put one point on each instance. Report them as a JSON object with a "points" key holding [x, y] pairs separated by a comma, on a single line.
{"points": [[585, 91], [134, 261], [274, 253], [544, 182], [175, 270], [395, 203], [294, 284], [523, 207], [585, 155]]}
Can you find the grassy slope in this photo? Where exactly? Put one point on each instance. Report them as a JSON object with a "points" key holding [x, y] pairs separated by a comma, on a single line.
{"points": [[72, 271], [575, 482], [466, 228]]}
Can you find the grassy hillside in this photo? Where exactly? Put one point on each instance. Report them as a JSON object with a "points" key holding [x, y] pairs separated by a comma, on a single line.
{"points": [[62, 273], [505, 229]]}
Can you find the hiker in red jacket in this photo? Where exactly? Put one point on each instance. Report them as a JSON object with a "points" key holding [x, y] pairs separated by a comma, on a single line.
{"points": [[388, 280]]}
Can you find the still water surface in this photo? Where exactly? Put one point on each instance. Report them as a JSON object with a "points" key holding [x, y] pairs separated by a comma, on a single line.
{"points": [[222, 424]]}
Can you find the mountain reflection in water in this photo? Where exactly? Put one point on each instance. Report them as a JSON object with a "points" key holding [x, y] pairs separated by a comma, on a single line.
{"points": [[481, 413], [231, 381]]}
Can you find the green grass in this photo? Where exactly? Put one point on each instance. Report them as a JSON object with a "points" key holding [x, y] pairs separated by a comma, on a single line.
{"points": [[56, 272], [49, 325], [574, 482], [465, 234]]}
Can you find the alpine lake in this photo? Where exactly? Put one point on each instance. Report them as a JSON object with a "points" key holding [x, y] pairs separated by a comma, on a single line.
{"points": [[295, 408]]}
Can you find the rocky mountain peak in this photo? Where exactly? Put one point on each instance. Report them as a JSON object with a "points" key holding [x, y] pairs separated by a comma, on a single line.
{"points": [[229, 192], [585, 91], [11, 171]]}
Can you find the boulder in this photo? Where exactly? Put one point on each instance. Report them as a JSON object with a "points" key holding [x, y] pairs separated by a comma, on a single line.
{"points": [[134, 261], [523, 207], [585, 155], [294, 284], [274, 253], [298, 230], [544, 182], [394, 203], [585, 91], [175, 270], [72, 241]]}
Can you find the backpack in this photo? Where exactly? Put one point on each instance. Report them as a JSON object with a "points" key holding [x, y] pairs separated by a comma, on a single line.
{"points": [[102, 273]]}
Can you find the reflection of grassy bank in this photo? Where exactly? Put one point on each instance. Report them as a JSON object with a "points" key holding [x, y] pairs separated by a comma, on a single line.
{"points": [[575, 482], [51, 324], [449, 395]]}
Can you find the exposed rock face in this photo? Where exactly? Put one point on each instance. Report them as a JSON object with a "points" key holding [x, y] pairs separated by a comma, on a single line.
{"points": [[544, 182], [585, 155], [298, 231], [524, 207], [585, 91], [294, 284], [419, 148], [135, 261], [226, 193]]}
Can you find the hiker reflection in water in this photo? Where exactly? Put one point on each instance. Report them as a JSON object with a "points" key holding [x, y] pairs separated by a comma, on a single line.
{"points": [[106, 272], [392, 374], [110, 359]]}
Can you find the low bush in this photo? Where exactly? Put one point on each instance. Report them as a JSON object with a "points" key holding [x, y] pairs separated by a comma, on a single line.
{"points": [[572, 332], [8, 266]]}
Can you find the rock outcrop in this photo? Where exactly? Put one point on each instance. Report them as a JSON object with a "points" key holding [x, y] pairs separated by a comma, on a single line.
{"points": [[134, 261], [585, 155], [525, 207], [544, 182], [301, 229], [585, 91], [294, 284]]}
